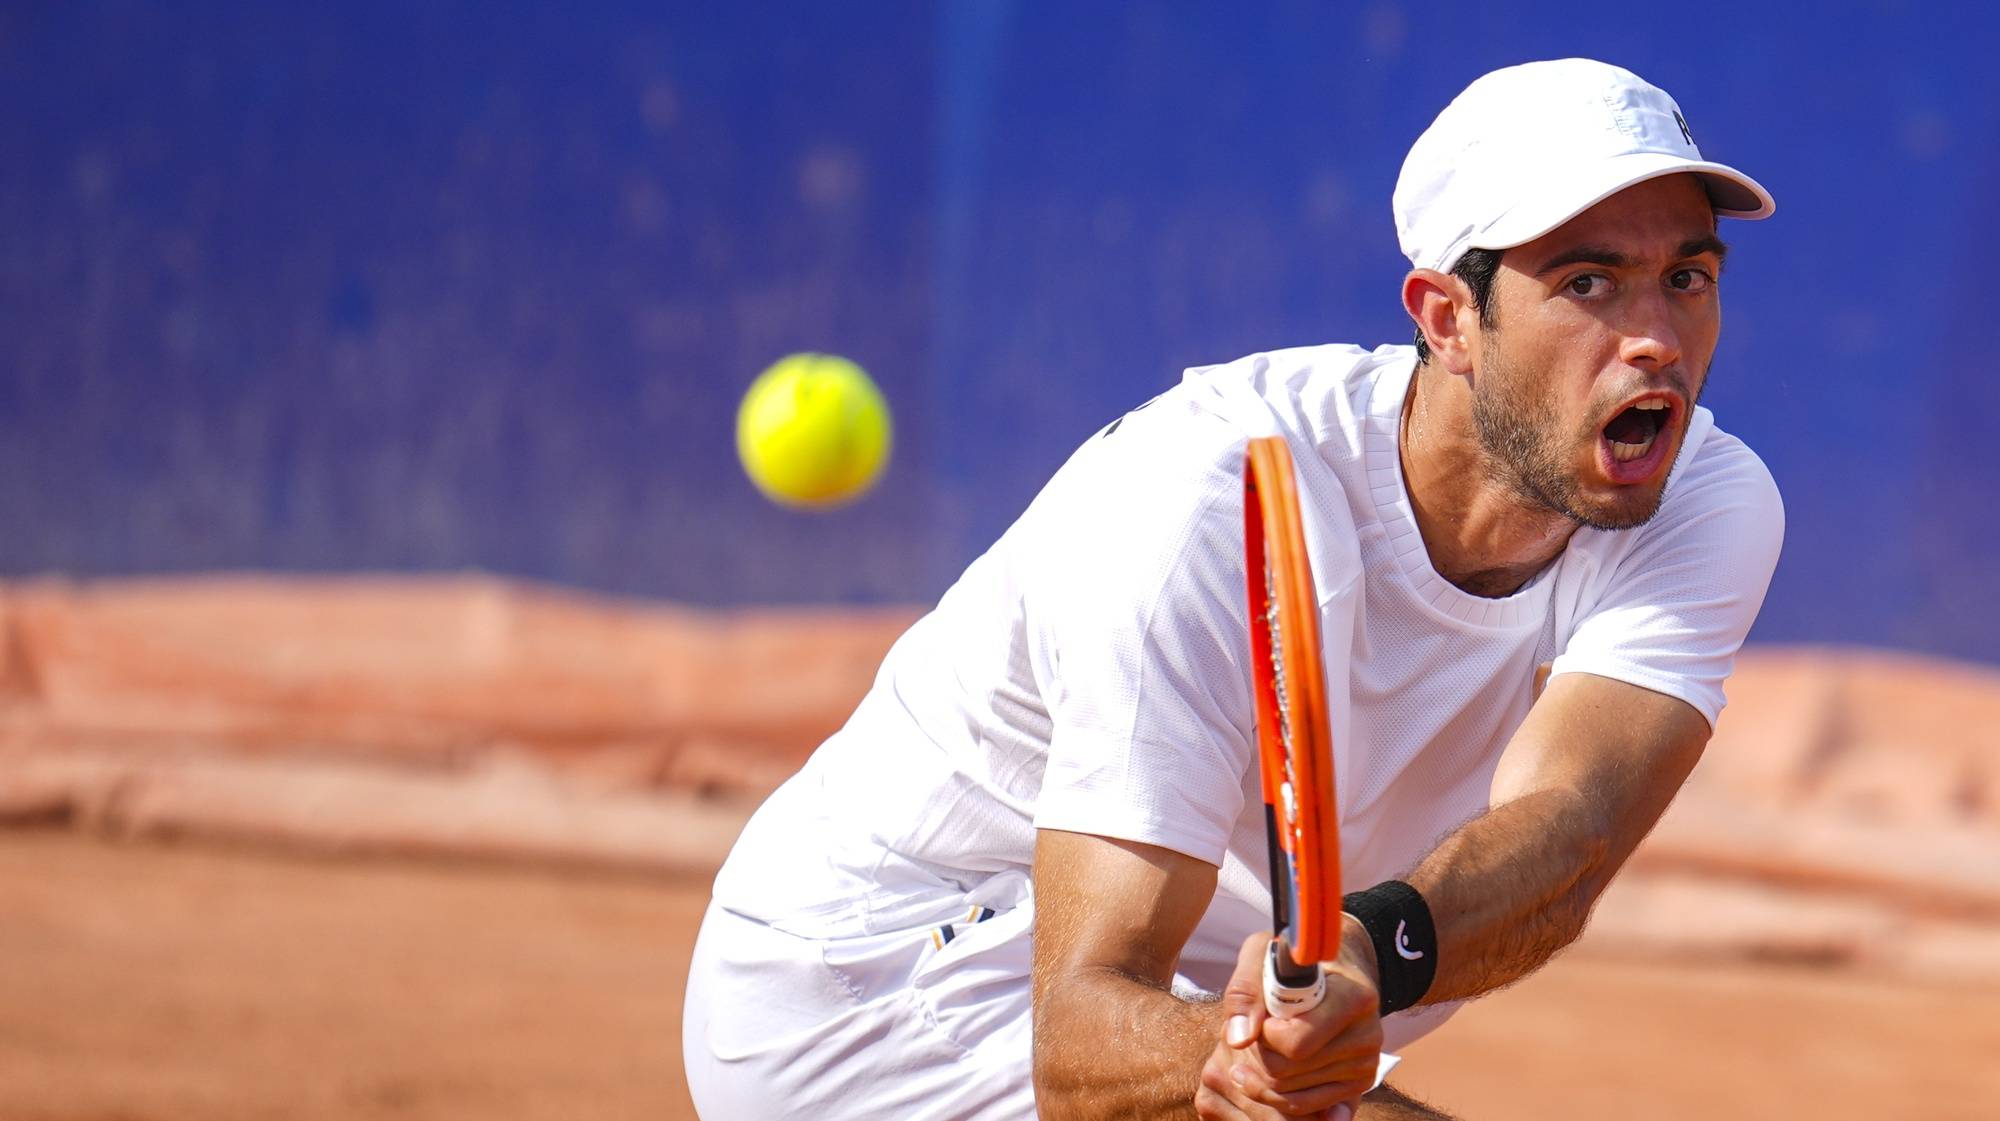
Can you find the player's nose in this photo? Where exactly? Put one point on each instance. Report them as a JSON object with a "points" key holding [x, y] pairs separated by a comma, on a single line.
{"points": [[1650, 337]]}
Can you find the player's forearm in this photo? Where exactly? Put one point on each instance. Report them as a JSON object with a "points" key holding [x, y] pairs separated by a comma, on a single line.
{"points": [[1108, 1045], [1511, 887]]}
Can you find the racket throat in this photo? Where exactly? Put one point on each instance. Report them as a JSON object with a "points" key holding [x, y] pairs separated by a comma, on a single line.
{"points": [[1281, 872]]}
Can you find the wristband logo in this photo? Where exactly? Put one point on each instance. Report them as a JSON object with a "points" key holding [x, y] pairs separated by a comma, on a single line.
{"points": [[1403, 942]]}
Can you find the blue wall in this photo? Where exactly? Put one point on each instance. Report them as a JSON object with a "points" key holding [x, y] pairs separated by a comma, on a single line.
{"points": [[477, 285]]}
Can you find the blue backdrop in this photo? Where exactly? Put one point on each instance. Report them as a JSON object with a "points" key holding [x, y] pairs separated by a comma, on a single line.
{"points": [[447, 285]]}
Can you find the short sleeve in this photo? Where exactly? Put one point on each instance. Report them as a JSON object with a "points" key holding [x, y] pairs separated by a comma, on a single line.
{"points": [[1140, 637], [1674, 608]]}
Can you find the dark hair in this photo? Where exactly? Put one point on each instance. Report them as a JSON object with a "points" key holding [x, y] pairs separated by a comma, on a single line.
{"points": [[1477, 268]]}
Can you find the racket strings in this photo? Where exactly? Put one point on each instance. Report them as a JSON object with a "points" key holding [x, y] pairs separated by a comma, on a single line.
{"points": [[1288, 789]]}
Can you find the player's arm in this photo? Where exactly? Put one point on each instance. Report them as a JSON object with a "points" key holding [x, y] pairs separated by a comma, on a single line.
{"points": [[1111, 1039], [1386, 1103], [1580, 784], [1595, 763]]}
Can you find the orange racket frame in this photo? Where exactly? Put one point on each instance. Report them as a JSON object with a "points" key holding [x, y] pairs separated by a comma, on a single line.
{"points": [[1288, 678]]}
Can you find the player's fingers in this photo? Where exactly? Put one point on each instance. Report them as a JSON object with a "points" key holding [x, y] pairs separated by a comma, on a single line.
{"points": [[1339, 1074], [1350, 1055], [1239, 1078], [1211, 1105], [1346, 1008], [1316, 1101], [1243, 998], [1249, 1075], [1220, 1098], [1220, 1093]]}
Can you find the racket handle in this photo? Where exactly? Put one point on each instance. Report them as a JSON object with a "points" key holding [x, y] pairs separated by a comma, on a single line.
{"points": [[1290, 989]]}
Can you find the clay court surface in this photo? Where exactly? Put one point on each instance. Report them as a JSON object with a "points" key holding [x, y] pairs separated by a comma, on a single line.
{"points": [[438, 849], [149, 981]]}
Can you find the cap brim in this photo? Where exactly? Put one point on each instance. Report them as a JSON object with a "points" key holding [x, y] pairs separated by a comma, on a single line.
{"points": [[1734, 195]]}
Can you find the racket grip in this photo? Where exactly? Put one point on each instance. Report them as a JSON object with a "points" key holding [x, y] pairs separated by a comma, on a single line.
{"points": [[1290, 989]]}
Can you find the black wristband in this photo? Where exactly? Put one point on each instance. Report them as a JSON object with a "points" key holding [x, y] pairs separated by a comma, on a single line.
{"points": [[1398, 922]]}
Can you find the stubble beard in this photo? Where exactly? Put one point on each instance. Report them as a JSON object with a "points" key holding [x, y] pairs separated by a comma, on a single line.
{"points": [[1528, 455]]}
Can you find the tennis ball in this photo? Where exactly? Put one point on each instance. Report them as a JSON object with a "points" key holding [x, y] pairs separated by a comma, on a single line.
{"points": [[813, 431]]}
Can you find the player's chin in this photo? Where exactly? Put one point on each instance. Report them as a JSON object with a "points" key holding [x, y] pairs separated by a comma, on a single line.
{"points": [[1622, 484], [1604, 503], [1626, 507]]}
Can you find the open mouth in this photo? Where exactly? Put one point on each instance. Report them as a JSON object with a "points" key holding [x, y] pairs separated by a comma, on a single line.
{"points": [[1633, 432]]}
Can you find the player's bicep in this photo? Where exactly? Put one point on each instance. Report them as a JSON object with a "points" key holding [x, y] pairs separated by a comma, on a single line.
{"points": [[1103, 904]]}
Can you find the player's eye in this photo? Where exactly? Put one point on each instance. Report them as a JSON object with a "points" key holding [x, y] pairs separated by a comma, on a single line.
{"points": [[1589, 284], [1690, 280]]}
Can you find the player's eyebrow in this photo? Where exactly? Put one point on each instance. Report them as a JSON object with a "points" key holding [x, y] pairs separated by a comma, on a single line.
{"points": [[1585, 255], [1695, 247], [1613, 259]]}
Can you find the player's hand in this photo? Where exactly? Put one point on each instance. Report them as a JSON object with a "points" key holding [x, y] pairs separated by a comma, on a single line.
{"points": [[1270, 1066]]}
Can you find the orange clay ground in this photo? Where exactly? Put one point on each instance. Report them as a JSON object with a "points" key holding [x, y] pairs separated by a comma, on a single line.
{"points": [[405, 848], [151, 982]]}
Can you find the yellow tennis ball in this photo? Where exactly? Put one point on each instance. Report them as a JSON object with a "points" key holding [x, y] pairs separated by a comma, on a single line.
{"points": [[813, 431]]}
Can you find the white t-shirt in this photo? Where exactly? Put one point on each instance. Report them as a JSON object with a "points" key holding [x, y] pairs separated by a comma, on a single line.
{"points": [[1090, 672]]}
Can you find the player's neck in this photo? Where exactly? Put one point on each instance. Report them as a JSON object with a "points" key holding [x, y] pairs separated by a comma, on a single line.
{"points": [[1482, 536]]}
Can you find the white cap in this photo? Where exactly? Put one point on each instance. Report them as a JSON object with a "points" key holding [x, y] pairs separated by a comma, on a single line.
{"points": [[1527, 148]]}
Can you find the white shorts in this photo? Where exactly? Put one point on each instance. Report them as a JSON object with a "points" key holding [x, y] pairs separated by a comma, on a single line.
{"points": [[899, 1025], [926, 1025]]}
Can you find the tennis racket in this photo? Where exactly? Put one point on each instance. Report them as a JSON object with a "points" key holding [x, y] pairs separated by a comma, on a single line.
{"points": [[1295, 757]]}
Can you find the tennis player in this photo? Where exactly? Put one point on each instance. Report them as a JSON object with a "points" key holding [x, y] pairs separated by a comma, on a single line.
{"points": [[1029, 874]]}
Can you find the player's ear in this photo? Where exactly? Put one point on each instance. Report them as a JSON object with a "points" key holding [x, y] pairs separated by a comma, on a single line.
{"points": [[1437, 301]]}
